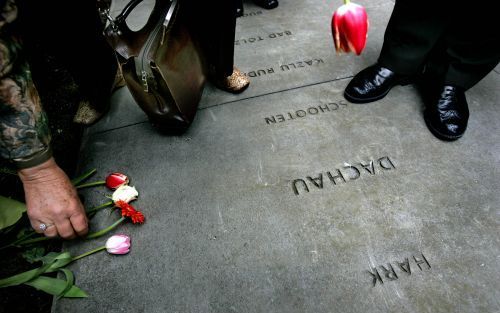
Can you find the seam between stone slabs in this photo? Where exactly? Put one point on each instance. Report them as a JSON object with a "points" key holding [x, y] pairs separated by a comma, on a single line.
{"points": [[228, 102], [273, 92]]}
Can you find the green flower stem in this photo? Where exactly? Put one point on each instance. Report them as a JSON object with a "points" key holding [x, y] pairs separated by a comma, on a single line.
{"points": [[89, 236], [88, 253], [76, 181], [347, 1], [97, 208], [34, 240], [92, 184], [105, 230], [15, 242]]}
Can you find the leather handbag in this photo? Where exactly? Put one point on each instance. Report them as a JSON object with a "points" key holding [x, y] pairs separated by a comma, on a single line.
{"points": [[161, 64]]}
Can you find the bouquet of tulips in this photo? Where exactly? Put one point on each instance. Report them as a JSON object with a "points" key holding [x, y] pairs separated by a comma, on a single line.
{"points": [[11, 212]]}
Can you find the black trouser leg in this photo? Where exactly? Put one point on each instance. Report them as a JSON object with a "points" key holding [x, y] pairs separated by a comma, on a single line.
{"points": [[457, 43], [413, 30], [473, 45], [214, 24]]}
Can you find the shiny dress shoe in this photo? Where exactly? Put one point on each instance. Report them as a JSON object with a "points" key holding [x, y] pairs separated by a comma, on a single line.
{"points": [[235, 83], [373, 83], [267, 4], [447, 117]]}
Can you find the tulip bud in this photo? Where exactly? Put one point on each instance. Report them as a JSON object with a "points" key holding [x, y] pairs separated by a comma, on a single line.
{"points": [[350, 28], [115, 180], [118, 244], [125, 193]]}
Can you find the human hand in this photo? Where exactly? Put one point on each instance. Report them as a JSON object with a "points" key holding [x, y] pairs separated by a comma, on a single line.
{"points": [[51, 199]]}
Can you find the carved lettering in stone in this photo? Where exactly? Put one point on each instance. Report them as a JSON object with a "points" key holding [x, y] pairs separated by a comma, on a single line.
{"points": [[295, 189], [422, 261], [375, 276], [369, 167], [313, 110], [355, 171], [337, 176], [256, 38], [388, 272], [249, 14], [317, 181], [300, 64], [386, 163], [405, 266]]}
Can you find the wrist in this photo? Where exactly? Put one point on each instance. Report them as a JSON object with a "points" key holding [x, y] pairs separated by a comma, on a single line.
{"points": [[33, 160], [43, 171]]}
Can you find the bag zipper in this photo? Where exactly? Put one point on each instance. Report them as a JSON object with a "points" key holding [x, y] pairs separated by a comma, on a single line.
{"points": [[143, 54]]}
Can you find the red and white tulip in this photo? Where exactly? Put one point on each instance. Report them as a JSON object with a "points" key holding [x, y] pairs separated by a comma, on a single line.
{"points": [[125, 193], [115, 180], [350, 28]]}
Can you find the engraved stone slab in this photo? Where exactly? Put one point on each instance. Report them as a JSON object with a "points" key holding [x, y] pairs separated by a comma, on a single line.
{"points": [[292, 46], [286, 48], [394, 220]]}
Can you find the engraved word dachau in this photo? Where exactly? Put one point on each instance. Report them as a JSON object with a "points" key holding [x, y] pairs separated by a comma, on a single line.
{"points": [[349, 173]]}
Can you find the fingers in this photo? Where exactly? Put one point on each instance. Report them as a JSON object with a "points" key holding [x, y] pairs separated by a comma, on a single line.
{"points": [[64, 228], [51, 231], [80, 224], [51, 199], [36, 226]]}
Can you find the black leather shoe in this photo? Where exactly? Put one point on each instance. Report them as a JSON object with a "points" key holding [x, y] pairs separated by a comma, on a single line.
{"points": [[267, 4], [372, 84], [447, 117]]}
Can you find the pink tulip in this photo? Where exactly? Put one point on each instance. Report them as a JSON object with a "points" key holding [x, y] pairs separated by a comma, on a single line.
{"points": [[118, 244], [115, 180], [350, 28]]}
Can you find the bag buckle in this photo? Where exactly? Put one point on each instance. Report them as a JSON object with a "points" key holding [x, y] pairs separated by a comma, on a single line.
{"points": [[104, 13], [145, 80]]}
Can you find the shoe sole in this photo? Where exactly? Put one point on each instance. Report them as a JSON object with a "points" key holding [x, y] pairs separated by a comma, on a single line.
{"points": [[438, 134]]}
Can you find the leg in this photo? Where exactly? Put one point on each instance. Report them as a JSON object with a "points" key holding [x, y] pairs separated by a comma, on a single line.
{"points": [[471, 51], [215, 27], [412, 32]]}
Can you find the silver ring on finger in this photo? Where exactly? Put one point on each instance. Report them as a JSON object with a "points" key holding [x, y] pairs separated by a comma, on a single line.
{"points": [[43, 227]]}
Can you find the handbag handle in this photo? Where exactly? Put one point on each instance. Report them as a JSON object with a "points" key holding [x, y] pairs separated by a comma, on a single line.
{"points": [[126, 11], [126, 42]]}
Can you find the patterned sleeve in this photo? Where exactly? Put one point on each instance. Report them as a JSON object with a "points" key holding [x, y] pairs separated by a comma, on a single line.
{"points": [[24, 131]]}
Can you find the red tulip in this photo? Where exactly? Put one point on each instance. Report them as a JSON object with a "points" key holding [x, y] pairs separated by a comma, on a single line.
{"points": [[350, 28], [115, 180]]}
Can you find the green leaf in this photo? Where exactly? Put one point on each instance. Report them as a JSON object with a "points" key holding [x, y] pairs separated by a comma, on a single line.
{"points": [[56, 287], [34, 254], [83, 177], [56, 260], [70, 281], [52, 262], [11, 211], [23, 277]]}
